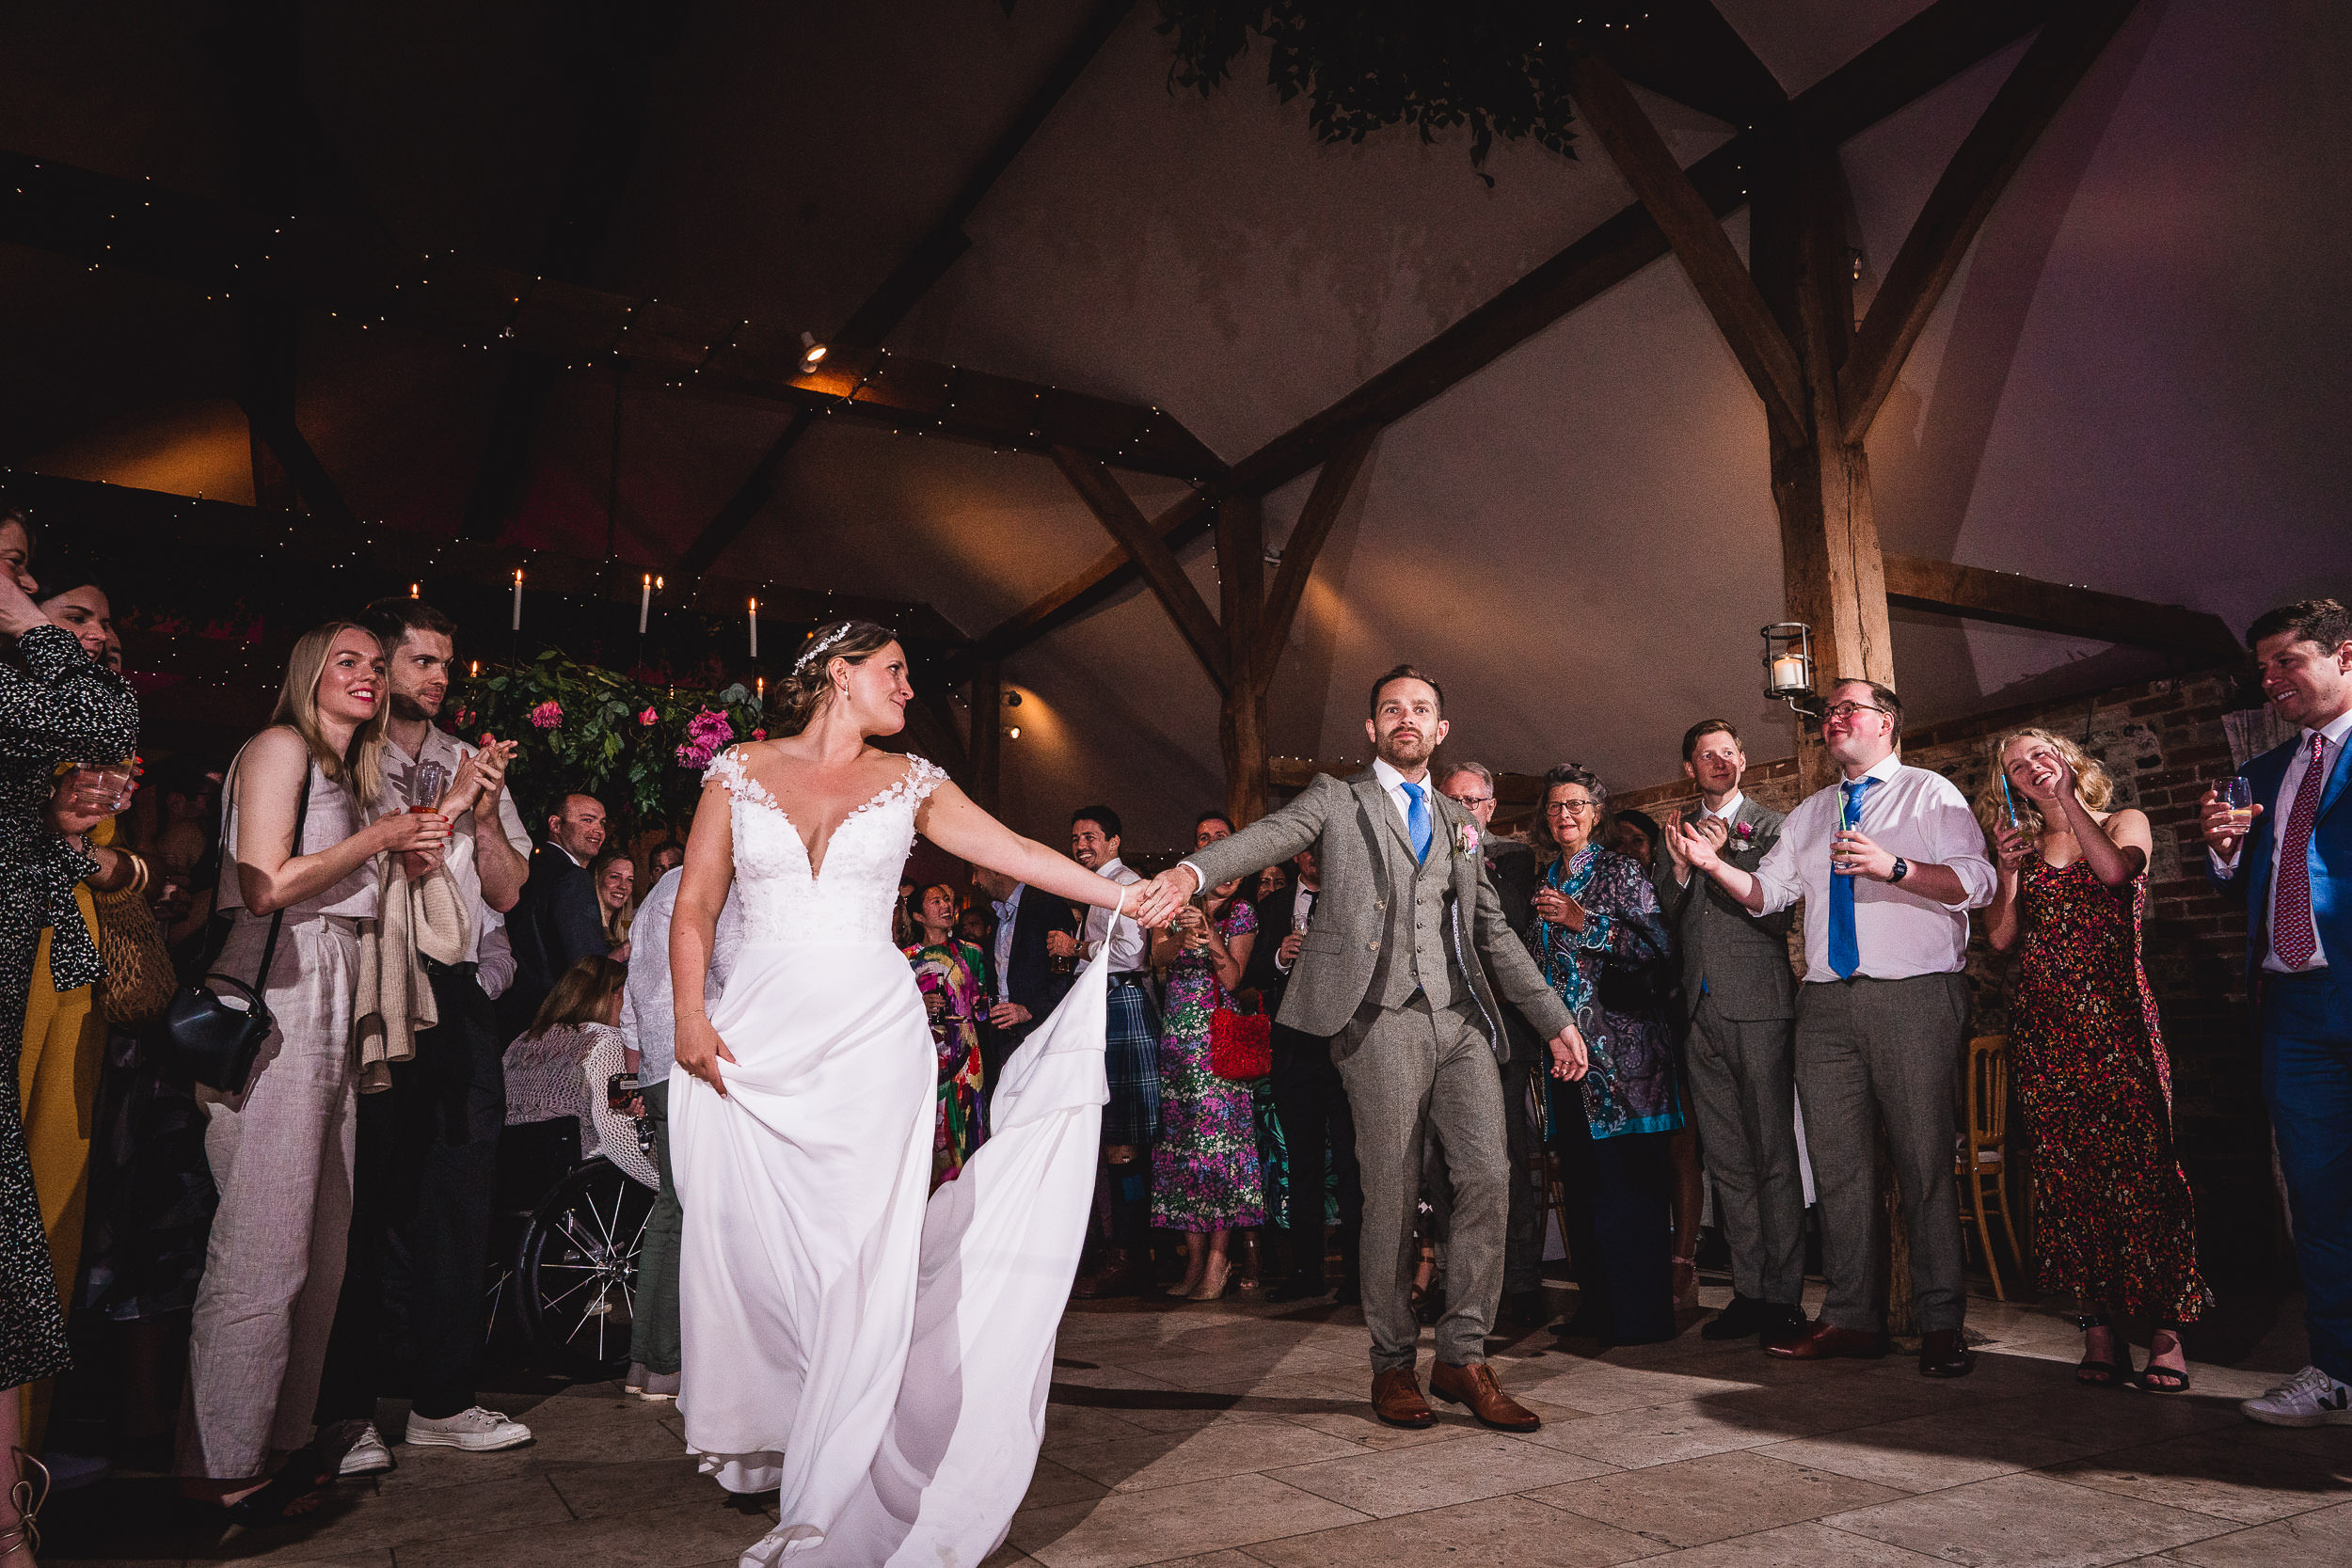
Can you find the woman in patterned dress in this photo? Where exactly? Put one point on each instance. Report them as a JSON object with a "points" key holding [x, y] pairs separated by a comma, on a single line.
{"points": [[2087, 1055], [1205, 1178], [948, 970], [56, 703], [1600, 938]]}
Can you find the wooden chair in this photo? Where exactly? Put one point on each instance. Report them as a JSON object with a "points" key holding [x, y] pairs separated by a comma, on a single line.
{"points": [[1982, 1163]]}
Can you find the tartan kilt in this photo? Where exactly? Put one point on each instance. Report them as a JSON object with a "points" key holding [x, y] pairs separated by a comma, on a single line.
{"points": [[1131, 1060]]}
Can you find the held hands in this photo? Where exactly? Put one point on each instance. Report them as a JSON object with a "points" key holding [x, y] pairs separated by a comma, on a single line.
{"points": [[1558, 908], [1853, 854], [2223, 831], [700, 1050], [1157, 900], [1569, 1058]]}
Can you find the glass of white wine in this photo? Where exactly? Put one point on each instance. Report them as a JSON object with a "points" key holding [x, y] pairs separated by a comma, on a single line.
{"points": [[2238, 795]]}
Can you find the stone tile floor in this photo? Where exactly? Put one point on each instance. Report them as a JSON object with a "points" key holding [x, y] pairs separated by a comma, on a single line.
{"points": [[1234, 1434]]}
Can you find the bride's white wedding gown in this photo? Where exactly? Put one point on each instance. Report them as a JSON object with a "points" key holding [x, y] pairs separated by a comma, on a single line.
{"points": [[880, 1359]]}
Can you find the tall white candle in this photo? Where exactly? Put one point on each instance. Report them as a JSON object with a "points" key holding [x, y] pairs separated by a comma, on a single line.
{"points": [[754, 628], [644, 604], [519, 598]]}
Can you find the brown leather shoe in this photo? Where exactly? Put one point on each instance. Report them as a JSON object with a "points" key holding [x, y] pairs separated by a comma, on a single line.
{"points": [[1117, 1277], [1943, 1353], [1821, 1342], [1475, 1386], [1396, 1398]]}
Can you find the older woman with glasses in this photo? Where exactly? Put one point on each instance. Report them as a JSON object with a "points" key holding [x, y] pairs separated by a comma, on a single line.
{"points": [[1601, 941]]}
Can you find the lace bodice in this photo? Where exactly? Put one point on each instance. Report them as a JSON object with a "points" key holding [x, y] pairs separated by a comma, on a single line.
{"points": [[850, 898]]}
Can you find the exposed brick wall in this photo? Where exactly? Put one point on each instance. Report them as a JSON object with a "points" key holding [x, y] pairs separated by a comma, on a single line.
{"points": [[2164, 742]]}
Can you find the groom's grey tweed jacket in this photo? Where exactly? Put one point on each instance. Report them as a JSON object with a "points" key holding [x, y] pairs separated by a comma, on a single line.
{"points": [[1385, 924]]}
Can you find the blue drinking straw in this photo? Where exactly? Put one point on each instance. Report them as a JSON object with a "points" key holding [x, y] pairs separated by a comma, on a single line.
{"points": [[2009, 800]]}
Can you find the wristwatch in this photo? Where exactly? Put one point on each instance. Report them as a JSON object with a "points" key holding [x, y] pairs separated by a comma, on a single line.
{"points": [[1902, 869]]}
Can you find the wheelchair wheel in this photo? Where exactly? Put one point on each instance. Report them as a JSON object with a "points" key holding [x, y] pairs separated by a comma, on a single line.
{"points": [[577, 1270]]}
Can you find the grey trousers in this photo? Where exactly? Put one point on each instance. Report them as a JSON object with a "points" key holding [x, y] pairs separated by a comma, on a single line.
{"points": [[1523, 1235], [1743, 1078], [1869, 1050], [1408, 1071], [654, 1341], [282, 1154]]}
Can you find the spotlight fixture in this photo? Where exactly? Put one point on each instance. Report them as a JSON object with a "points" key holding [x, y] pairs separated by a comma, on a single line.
{"points": [[812, 353], [1012, 698], [1013, 731]]}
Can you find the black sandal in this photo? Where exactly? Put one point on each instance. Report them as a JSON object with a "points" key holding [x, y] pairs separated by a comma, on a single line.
{"points": [[307, 1471], [2176, 1379], [2099, 1374]]}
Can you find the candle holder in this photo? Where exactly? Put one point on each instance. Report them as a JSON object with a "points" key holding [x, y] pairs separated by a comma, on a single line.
{"points": [[1788, 667]]}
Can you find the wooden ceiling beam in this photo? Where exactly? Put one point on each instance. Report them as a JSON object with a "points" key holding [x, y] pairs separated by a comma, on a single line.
{"points": [[1686, 51], [1688, 222], [275, 423], [1333, 486], [1956, 209], [2007, 599], [1159, 566]]}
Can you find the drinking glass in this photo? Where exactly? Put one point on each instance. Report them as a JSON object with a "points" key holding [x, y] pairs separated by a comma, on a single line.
{"points": [[2238, 795], [104, 787], [426, 786]]}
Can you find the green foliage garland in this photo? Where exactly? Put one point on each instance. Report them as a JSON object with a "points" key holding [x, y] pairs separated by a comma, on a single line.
{"points": [[1499, 67], [639, 749]]}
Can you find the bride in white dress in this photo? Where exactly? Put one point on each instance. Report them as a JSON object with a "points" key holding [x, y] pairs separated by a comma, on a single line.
{"points": [[879, 1360]]}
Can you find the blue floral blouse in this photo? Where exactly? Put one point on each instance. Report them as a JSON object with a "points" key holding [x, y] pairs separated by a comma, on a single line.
{"points": [[1630, 1087]]}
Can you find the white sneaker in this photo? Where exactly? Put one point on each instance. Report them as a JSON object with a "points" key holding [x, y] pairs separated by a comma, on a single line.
{"points": [[2309, 1399], [659, 1386], [476, 1431], [368, 1456]]}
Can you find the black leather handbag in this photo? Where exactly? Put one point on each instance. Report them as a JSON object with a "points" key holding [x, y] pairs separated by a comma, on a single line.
{"points": [[215, 1027]]}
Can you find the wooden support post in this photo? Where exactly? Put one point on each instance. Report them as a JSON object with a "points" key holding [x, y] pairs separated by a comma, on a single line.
{"points": [[1242, 714], [1834, 581], [1117, 511], [987, 747]]}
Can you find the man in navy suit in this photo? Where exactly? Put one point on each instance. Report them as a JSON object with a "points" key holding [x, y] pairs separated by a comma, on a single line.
{"points": [[2293, 870], [1027, 988]]}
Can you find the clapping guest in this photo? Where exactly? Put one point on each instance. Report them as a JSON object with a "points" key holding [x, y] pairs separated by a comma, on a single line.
{"points": [[2118, 1229], [1881, 1014], [281, 1144], [1602, 943], [56, 703], [1205, 1179], [614, 876], [948, 972], [2292, 869]]}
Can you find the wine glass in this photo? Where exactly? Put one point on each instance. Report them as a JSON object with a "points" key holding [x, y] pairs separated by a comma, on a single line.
{"points": [[2238, 795]]}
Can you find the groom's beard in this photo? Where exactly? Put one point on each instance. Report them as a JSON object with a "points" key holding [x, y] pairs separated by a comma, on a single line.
{"points": [[1401, 749]]}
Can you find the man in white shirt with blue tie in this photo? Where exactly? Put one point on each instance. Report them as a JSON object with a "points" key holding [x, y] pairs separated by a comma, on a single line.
{"points": [[1889, 861]]}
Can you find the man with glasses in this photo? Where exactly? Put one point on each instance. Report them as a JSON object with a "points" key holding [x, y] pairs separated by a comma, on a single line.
{"points": [[1739, 998], [1511, 866], [1889, 861]]}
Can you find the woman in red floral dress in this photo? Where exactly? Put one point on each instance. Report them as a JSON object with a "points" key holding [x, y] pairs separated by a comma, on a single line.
{"points": [[2119, 1229]]}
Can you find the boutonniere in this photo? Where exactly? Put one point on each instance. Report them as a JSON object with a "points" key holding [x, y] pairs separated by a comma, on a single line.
{"points": [[1466, 838], [1744, 834]]}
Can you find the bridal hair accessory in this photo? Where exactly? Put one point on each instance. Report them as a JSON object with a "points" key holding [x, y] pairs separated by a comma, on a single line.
{"points": [[836, 635]]}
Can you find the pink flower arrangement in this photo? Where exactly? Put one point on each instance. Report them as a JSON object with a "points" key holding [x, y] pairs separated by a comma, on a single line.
{"points": [[759, 734], [1469, 838], [547, 715], [649, 717], [706, 736]]}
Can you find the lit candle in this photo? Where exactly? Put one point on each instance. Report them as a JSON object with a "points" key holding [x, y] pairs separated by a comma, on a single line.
{"points": [[476, 670], [1789, 673], [519, 598], [412, 589], [754, 628], [760, 685], [644, 604]]}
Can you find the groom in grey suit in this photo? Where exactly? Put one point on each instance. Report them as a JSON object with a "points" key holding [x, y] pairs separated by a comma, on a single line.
{"points": [[1394, 968], [1739, 1001]]}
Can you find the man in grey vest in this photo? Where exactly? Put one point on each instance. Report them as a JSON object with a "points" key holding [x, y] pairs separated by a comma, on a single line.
{"points": [[1739, 1003], [1390, 970]]}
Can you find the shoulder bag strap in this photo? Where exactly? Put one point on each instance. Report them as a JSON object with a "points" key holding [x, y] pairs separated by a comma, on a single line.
{"points": [[277, 920]]}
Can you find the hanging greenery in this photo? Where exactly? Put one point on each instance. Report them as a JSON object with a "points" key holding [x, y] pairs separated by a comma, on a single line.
{"points": [[639, 749], [1499, 67]]}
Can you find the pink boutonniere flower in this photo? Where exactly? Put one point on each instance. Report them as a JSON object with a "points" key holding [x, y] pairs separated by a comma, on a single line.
{"points": [[1468, 836], [1744, 832]]}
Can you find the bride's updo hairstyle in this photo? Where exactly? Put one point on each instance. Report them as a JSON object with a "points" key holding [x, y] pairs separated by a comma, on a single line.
{"points": [[800, 694]]}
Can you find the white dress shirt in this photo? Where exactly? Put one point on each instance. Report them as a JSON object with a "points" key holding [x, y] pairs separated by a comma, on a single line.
{"points": [[648, 1003], [451, 753], [2337, 731], [1127, 940], [1913, 813], [1392, 783], [1008, 916], [1730, 811]]}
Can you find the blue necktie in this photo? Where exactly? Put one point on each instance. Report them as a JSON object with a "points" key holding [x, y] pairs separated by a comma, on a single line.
{"points": [[1845, 948], [1417, 819]]}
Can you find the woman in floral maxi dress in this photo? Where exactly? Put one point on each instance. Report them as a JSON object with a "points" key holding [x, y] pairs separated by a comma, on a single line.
{"points": [[948, 972], [1205, 1177], [2118, 1227]]}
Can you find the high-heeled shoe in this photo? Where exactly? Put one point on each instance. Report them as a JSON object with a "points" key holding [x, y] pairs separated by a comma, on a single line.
{"points": [[2098, 1375], [25, 1532], [1215, 1279]]}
